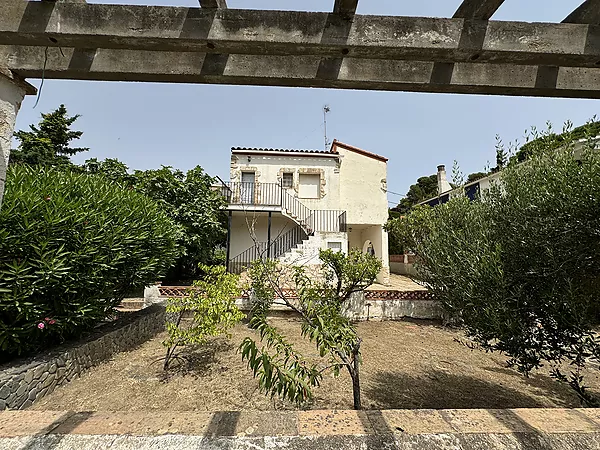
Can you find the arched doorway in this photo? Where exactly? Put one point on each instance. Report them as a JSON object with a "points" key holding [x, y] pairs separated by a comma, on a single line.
{"points": [[369, 248]]}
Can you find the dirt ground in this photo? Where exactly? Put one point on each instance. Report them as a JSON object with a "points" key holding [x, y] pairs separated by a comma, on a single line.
{"points": [[405, 365]]}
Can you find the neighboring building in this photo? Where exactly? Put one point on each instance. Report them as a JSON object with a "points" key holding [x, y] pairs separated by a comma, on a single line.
{"points": [[288, 204], [471, 190]]}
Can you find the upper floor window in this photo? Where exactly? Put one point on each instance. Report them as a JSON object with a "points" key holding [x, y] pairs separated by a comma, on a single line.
{"points": [[309, 185], [287, 180]]}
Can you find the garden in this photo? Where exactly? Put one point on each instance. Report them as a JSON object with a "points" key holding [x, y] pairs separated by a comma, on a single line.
{"points": [[430, 369], [517, 273]]}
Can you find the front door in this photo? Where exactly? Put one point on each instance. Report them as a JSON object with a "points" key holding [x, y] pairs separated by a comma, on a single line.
{"points": [[247, 188]]}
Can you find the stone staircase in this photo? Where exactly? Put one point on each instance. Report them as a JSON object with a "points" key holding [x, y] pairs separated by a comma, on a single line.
{"points": [[305, 253]]}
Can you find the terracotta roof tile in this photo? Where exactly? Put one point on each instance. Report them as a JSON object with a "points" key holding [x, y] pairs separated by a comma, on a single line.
{"points": [[286, 150]]}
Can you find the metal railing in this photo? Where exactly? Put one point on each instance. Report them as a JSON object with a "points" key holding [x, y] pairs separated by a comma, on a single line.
{"points": [[247, 193], [242, 261], [279, 247], [287, 241], [273, 194], [327, 220]]}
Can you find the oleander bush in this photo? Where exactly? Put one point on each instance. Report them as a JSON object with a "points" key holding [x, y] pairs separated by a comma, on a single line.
{"points": [[71, 246]]}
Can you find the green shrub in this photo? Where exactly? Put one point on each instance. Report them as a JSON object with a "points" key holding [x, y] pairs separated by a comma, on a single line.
{"points": [[521, 268], [71, 246]]}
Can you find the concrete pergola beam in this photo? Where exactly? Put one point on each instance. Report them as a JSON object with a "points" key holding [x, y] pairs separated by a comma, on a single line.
{"points": [[345, 7], [229, 31], [477, 9], [213, 4], [588, 12], [302, 71]]}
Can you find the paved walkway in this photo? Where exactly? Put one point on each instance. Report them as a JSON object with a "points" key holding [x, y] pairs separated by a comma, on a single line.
{"points": [[561, 429], [397, 283]]}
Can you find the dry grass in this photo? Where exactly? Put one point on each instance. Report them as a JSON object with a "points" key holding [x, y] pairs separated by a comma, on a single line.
{"points": [[406, 365]]}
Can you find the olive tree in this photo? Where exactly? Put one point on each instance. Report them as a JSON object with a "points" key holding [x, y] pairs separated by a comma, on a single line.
{"points": [[520, 268], [320, 301]]}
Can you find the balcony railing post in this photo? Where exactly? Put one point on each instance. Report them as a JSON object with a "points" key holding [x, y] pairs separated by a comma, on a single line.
{"points": [[269, 237]]}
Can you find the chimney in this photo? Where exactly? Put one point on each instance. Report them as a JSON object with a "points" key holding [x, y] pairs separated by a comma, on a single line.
{"points": [[443, 185]]}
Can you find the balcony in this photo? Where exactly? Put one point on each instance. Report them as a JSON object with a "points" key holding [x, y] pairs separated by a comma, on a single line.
{"points": [[250, 195]]}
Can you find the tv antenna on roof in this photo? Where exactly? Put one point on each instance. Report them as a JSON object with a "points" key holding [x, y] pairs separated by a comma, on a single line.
{"points": [[326, 109]]}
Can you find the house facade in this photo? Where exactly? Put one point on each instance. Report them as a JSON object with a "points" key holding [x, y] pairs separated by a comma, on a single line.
{"points": [[289, 204], [470, 190]]}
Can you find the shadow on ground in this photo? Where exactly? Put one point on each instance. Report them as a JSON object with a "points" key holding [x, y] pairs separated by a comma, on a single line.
{"points": [[198, 360], [442, 390]]}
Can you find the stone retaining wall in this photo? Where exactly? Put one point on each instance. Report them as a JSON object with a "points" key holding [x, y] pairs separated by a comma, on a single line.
{"points": [[367, 305], [26, 381]]}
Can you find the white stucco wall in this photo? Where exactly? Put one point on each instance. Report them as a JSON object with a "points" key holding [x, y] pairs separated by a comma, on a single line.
{"points": [[353, 182], [241, 238], [363, 188], [360, 234], [268, 169], [11, 96]]}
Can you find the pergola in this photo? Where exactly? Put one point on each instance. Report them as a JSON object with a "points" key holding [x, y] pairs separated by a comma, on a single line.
{"points": [[467, 53]]}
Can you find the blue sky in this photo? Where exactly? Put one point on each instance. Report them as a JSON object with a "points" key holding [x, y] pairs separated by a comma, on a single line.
{"points": [[146, 125]]}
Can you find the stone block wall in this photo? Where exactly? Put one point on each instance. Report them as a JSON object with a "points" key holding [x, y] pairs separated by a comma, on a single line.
{"points": [[26, 381], [393, 305], [367, 305]]}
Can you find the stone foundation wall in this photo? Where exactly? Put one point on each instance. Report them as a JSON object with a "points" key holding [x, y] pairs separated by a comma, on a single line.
{"points": [[367, 305], [26, 381]]}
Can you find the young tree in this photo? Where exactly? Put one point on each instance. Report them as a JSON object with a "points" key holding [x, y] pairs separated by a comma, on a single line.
{"points": [[321, 301], [211, 302], [110, 168], [521, 268], [48, 144]]}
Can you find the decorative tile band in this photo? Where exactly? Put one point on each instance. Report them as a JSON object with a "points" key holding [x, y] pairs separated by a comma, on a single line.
{"points": [[182, 291]]}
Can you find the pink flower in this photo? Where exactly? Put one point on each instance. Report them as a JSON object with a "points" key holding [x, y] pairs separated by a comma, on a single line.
{"points": [[46, 319], [51, 322], [41, 325]]}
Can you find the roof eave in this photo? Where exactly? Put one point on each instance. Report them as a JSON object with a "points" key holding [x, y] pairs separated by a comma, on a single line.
{"points": [[276, 153], [360, 151]]}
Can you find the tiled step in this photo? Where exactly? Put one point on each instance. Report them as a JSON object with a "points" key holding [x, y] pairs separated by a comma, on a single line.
{"points": [[131, 304]]}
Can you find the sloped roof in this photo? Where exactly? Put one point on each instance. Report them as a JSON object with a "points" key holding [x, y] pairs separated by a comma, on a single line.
{"points": [[357, 150], [283, 150], [330, 152]]}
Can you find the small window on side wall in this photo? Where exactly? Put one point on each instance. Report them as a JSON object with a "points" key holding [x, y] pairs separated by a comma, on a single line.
{"points": [[335, 246], [287, 180]]}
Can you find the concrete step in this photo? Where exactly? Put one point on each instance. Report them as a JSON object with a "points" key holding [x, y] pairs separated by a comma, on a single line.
{"points": [[131, 304]]}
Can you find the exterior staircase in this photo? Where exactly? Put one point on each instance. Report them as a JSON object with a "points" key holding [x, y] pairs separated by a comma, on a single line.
{"points": [[294, 243], [303, 253]]}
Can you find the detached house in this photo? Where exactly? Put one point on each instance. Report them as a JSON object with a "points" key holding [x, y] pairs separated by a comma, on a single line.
{"points": [[288, 204]]}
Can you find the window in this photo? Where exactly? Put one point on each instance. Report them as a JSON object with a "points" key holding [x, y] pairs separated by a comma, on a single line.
{"points": [[310, 185], [335, 246], [287, 180]]}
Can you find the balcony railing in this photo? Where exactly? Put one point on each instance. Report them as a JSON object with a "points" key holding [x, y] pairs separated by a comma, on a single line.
{"points": [[256, 194], [272, 194]]}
